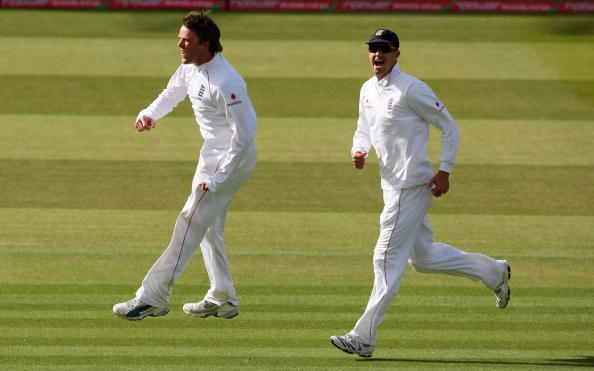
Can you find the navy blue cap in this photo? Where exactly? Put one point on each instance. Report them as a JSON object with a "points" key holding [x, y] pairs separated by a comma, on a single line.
{"points": [[384, 36]]}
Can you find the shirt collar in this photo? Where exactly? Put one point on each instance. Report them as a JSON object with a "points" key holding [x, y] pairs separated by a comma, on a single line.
{"points": [[386, 79], [205, 66]]}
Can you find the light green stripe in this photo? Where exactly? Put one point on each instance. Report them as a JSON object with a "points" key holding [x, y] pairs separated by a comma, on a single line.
{"points": [[447, 300], [302, 26], [178, 139], [568, 322], [273, 251], [272, 352], [313, 334], [73, 232], [457, 60], [302, 58]]}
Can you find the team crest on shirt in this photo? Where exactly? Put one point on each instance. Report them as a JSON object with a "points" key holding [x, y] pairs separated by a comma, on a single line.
{"points": [[201, 92], [390, 103], [233, 100]]}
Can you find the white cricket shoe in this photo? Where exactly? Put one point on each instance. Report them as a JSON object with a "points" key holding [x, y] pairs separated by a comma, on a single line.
{"points": [[503, 292], [135, 310], [205, 309], [350, 345]]}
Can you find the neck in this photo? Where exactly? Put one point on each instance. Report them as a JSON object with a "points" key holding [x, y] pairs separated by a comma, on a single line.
{"points": [[381, 76], [206, 59]]}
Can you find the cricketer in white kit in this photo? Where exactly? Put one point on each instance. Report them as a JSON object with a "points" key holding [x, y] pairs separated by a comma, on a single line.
{"points": [[227, 122], [395, 110]]}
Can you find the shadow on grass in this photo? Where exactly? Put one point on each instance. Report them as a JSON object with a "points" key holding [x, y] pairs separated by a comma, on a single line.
{"points": [[579, 361]]}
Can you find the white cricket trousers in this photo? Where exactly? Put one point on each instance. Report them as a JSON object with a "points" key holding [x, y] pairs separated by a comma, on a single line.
{"points": [[405, 235], [201, 221]]}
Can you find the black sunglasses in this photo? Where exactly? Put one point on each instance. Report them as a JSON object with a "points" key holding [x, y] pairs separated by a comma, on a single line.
{"points": [[383, 48]]}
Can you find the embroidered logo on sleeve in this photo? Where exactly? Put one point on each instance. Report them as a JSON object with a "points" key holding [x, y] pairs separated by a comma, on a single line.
{"points": [[439, 106], [233, 100], [201, 92]]}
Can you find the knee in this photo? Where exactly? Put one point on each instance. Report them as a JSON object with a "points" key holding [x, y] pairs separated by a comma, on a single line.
{"points": [[418, 266]]}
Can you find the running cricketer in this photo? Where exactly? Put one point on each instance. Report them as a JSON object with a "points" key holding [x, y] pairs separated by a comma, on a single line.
{"points": [[227, 122], [395, 110]]}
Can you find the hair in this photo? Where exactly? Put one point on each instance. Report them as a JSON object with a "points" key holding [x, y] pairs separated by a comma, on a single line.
{"points": [[205, 28]]}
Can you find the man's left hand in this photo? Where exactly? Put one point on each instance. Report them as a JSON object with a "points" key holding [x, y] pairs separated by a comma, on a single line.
{"points": [[439, 184]]}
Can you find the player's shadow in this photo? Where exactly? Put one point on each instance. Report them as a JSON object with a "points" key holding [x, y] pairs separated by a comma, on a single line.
{"points": [[578, 361]]}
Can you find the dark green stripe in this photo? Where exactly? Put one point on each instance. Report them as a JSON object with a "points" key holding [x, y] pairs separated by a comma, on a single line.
{"points": [[281, 27], [294, 341], [322, 320], [291, 186], [562, 311], [298, 97], [427, 358], [563, 293]]}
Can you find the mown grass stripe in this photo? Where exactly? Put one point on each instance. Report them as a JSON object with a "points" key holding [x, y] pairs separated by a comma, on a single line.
{"points": [[67, 252], [279, 354], [356, 233], [527, 142], [471, 308], [570, 316], [329, 361], [515, 189], [355, 27], [219, 335], [107, 321], [104, 56], [469, 341], [310, 97], [406, 338], [407, 303], [287, 291]]}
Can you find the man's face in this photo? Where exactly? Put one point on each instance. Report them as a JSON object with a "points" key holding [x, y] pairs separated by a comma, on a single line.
{"points": [[383, 57], [190, 48]]}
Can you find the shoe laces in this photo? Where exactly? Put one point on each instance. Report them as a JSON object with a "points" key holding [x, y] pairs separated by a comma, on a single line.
{"points": [[132, 303], [207, 304]]}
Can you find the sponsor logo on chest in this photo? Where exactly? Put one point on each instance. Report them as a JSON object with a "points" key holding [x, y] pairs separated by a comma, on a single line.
{"points": [[233, 100], [367, 104]]}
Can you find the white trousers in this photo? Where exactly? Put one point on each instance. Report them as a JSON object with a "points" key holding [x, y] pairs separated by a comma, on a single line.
{"points": [[406, 235], [201, 221]]}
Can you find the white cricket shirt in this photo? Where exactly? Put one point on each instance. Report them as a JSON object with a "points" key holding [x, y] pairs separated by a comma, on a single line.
{"points": [[394, 117], [223, 111]]}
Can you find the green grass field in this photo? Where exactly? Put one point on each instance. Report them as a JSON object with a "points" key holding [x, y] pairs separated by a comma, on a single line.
{"points": [[87, 204]]}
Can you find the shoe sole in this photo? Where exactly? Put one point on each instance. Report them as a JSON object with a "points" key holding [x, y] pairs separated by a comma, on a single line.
{"points": [[339, 347], [229, 315], [138, 318], [346, 351]]}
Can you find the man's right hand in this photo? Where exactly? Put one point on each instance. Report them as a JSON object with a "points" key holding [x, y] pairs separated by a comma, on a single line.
{"points": [[144, 123], [359, 159]]}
